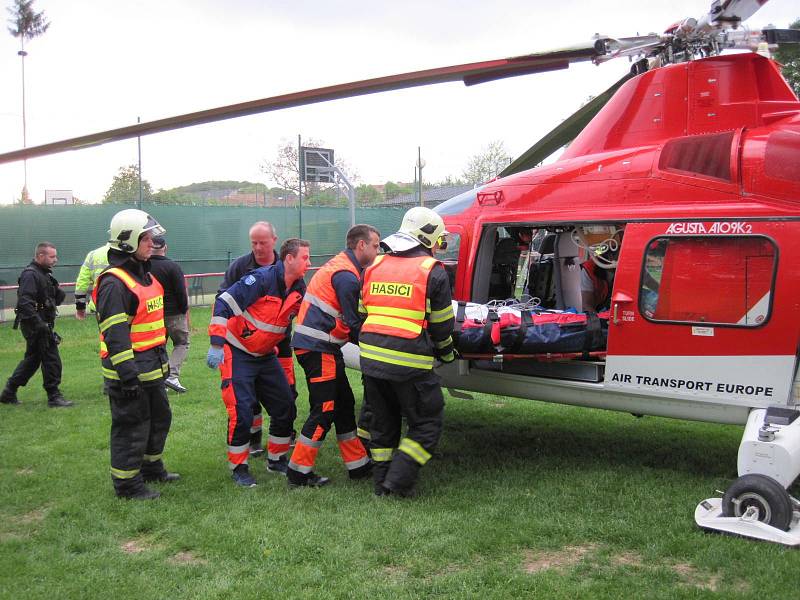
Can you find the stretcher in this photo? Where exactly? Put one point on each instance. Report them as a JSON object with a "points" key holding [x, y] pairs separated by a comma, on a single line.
{"points": [[518, 332]]}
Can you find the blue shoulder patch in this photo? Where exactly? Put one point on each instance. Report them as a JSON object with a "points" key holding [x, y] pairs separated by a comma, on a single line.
{"points": [[249, 280]]}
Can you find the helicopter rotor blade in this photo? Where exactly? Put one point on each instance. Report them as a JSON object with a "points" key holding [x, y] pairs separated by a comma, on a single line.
{"points": [[470, 74], [565, 132]]}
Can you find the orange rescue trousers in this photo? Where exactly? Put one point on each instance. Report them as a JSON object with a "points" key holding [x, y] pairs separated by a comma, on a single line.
{"points": [[247, 381], [331, 403]]}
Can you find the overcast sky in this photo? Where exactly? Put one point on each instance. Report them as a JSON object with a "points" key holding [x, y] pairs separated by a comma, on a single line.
{"points": [[104, 63]]}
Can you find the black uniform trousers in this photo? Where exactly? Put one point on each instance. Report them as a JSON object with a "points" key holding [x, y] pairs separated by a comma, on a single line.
{"points": [[41, 349], [139, 428], [421, 402]]}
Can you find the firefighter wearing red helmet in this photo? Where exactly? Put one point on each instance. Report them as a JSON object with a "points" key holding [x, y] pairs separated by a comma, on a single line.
{"points": [[409, 321], [130, 317]]}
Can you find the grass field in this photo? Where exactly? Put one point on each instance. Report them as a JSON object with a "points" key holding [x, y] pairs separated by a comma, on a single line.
{"points": [[526, 499]]}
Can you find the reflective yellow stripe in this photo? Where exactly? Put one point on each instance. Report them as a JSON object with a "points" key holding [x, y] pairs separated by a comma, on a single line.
{"points": [[127, 279], [449, 357], [440, 316], [419, 361], [444, 343], [363, 433], [161, 339], [141, 327], [103, 347], [152, 457], [381, 454], [151, 375], [361, 308], [414, 450], [122, 357], [113, 320], [110, 374], [396, 312], [428, 263], [120, 474], [393, 322]]}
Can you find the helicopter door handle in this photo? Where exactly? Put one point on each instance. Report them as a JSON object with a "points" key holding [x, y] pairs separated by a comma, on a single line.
{"points": [[617, 299]]}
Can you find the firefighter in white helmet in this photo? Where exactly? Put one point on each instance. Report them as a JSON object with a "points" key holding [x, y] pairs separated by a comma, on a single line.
{"points": [[409, 321], [130, 316]]}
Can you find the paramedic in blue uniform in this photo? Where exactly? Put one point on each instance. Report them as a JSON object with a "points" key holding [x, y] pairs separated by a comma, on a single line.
{"points": [[263, 238], [250, 318]]}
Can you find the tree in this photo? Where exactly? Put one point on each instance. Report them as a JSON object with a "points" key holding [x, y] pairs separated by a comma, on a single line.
{"points": [[125, 187], [284, 169], [789, 56], [26, 24], [487, 164]]}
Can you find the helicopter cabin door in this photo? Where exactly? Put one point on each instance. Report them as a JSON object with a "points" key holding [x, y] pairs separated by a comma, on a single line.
{"points": [[705, 311]]}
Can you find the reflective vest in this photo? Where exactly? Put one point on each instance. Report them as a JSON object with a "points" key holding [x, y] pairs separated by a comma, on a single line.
{"points": [[320, 313], [93, 266], [394, 295], [147, 325], [258, 328]]}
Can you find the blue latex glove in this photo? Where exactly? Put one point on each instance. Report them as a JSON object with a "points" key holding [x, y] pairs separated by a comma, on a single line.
{"points": [[214, 357]]}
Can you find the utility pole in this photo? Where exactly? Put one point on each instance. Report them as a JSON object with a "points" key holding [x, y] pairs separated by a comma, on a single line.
{"points": [[300, 183], [139, 144], [420, 165]]}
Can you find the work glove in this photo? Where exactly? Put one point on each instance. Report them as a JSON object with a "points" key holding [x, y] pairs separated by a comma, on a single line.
{"points": [[130, 391], [214, 357], [447, 358]]}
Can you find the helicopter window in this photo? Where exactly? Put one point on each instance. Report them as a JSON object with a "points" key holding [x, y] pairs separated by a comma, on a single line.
{"points": [[448, 256], [708, 280], [706, 155]]}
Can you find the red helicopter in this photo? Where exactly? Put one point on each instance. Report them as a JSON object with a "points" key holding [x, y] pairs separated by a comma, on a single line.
{"points": [[647, 270]]}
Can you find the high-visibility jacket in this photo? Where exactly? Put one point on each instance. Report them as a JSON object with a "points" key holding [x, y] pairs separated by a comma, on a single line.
{"points": [[394, 340], [94, 264], [600, 284], [254, 314], [320, 325], [147, 330]]}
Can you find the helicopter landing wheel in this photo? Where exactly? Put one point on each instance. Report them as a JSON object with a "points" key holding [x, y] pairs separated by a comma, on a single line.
{"points": [[772, 501]]}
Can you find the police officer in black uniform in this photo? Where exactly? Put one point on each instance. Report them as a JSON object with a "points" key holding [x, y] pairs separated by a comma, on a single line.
{"points": [[38, 296]]}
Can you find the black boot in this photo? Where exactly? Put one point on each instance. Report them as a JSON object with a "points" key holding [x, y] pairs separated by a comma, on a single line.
{"points": [[165, 477], [309, 480], [9, 395], [57, 400], [361, 472], [134, 489], [156, 471]]}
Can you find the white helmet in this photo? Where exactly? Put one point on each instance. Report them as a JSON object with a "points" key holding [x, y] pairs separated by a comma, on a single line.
{"points": [[127, 226], [420, 226]]}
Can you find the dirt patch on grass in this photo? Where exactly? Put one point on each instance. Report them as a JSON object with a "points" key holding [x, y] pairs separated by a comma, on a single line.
{"points": [[395, 572], [186, 557], [569, 556], [135, 546], [32, 518], [627, 559], [692, 577], [24, 471]]}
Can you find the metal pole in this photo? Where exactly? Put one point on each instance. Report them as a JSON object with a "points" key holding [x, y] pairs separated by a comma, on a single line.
{"points": [[419, 180], [22, 55], [351, 195], [300, 185], [139, 145], [416, 197]]}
